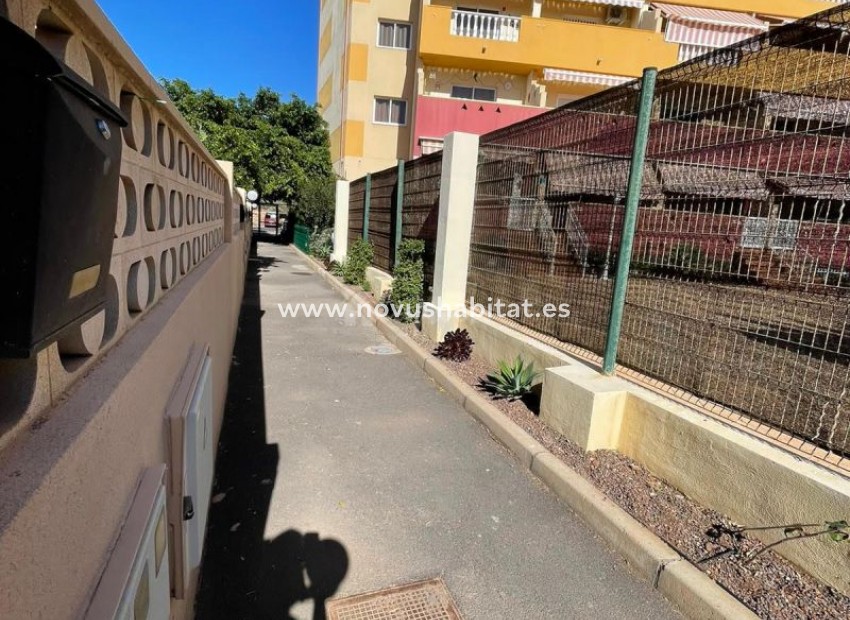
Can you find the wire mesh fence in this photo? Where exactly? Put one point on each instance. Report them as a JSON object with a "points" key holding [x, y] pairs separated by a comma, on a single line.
{"points": [[548, 214], [382, 218], [739, 280], [356, 206], [421, 207]]}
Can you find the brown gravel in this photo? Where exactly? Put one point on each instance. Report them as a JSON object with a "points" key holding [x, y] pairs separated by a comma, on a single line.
{"points": [[771, 586]]}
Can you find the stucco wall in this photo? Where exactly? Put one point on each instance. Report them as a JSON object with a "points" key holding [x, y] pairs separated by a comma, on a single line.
{"points": [[360, 145], [66, 484], [79, 424]]}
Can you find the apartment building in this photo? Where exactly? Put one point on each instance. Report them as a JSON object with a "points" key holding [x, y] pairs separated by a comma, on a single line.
{"points": [[396, 76]]}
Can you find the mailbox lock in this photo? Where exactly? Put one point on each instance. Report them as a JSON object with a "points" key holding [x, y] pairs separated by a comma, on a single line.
{"points": [[188, 507], [103, 128]]}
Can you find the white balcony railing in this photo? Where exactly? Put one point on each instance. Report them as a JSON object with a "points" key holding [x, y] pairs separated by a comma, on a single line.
{"points": [[485, 26]]}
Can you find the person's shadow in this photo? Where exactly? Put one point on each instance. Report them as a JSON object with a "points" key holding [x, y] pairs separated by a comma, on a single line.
{"points": [[243, 575], [297, 568]]}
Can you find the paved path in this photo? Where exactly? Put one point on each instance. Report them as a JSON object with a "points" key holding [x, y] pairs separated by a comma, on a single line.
{"points": [[341, 466]]}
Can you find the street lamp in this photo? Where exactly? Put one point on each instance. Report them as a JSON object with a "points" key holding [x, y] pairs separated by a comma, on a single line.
{"points": [[252, 197]]}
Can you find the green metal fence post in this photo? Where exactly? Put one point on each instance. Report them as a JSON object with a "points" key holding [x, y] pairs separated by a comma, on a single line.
{"points": [[399, 206], [621, 282], [367, 199]]}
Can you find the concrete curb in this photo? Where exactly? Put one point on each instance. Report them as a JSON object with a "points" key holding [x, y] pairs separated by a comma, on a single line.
{"points": [[691, 590]]}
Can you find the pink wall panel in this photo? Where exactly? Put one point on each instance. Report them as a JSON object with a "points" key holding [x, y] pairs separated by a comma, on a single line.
{"points": [[437, 116]]}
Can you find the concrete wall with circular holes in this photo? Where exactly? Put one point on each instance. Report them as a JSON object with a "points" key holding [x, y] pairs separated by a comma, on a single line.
{"points": [[82, 419]]}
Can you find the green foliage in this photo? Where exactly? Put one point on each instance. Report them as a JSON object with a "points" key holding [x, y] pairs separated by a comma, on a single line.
{"points": [[687, 259], [456, 346], [315, 202], [596, 260], [321, 244], [360, 256], [511, 381], [280, 149], [337, 269], [408, 280]]}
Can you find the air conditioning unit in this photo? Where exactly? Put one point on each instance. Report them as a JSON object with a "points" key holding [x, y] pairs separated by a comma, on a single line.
{"points": [[616, 15], [192, 449], [135, 583]]}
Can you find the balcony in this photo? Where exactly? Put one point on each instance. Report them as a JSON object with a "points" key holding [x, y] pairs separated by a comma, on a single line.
{"points": [[471, 40], [485, 26]]}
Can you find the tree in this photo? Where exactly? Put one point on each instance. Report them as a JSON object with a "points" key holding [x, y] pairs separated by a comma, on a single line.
{"points": [[280, 149]]}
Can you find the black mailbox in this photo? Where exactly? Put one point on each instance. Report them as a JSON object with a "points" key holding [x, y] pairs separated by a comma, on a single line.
{"points": [[59, 176]]}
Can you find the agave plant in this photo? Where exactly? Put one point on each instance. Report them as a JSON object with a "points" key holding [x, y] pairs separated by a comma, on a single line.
{"points": [[456, 346], [511, 381]]}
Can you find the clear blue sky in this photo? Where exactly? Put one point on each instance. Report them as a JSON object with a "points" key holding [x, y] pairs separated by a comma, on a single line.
{"points": [[231, 46]]}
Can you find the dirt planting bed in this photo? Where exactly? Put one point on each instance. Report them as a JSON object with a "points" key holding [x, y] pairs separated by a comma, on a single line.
{"points": [[770, 585]]}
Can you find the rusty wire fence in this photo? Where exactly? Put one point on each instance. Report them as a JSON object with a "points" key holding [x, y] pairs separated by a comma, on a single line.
{"points": [[384, 192], [738, 289], [356, 209]]}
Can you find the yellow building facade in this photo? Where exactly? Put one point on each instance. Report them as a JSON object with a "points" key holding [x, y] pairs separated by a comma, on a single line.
{"points": [[396, 76]]}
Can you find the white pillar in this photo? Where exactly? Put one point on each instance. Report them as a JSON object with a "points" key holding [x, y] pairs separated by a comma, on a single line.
{"points": [[343, 191], [537, 8], [454, 232]]}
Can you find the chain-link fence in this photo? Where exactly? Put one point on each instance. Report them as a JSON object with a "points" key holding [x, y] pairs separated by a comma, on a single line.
{"points": [[738, 291]]}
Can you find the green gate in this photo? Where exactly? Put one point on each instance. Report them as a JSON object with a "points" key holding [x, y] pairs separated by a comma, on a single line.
{"points": [[302, 238]]}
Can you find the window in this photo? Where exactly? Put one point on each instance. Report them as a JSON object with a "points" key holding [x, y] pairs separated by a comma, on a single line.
{"points": [[430, 145], [394, 34], [470, 92], [390, 111]]}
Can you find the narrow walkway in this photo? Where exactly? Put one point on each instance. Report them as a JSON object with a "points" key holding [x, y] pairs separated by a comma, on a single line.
{"points": [[342, 472]]}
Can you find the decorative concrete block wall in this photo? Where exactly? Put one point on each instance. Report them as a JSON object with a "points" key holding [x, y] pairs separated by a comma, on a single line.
{"points": [[81, 420]]}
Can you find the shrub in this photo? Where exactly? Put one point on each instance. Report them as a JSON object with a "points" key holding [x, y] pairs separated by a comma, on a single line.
{"points": [[321, 244], [408, 280], [337, 269], [596, 260], [687, 259], [511, 382], [456, 346], [360, 256]]}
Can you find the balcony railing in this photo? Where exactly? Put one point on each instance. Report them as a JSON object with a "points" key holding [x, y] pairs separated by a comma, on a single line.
{"points": [[485, 26]]}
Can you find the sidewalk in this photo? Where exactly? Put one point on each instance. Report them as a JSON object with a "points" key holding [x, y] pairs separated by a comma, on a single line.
{"points": [[339, 465]]}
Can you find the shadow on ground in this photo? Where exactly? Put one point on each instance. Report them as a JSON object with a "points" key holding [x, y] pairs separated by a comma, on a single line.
{"points": [[243, 575]]}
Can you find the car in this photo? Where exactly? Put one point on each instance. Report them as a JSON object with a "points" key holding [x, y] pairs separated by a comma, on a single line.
{"points": [[270, 220]]}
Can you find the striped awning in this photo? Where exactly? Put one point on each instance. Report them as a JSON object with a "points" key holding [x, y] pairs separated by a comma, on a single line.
{"points": [[633, 4], [574, 174], [708, 27], [701, 180], [834, 111], [583, 77], [823, 188]]}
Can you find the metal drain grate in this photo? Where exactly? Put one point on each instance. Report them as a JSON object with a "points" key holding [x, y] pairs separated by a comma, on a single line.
{"points": [[423, 600]]}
